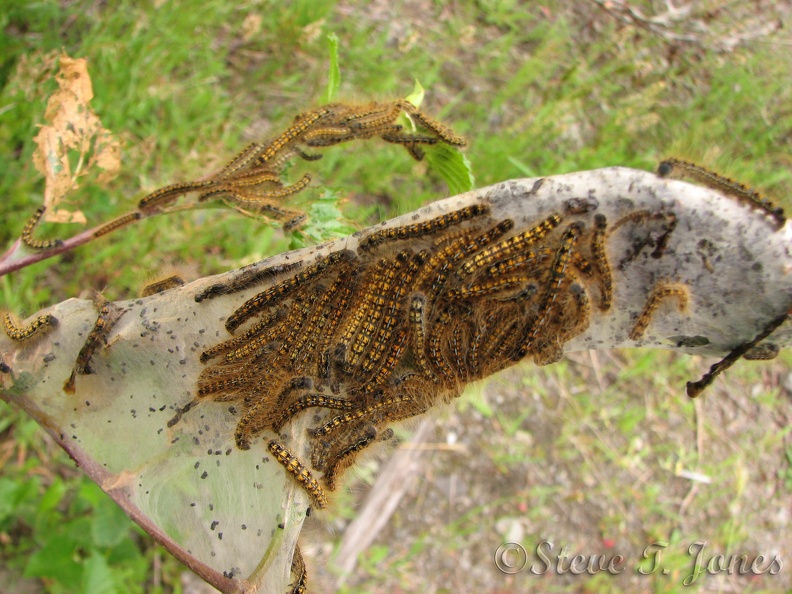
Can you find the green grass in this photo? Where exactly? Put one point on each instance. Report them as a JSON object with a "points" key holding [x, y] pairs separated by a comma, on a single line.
{"points": [[536, 91]]}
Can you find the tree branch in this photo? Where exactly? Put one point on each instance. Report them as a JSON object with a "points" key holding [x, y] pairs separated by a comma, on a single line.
{"points": [[235, 511]]}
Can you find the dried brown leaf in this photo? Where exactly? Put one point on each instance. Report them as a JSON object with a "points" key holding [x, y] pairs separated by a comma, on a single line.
{"points": [[74, 143]]}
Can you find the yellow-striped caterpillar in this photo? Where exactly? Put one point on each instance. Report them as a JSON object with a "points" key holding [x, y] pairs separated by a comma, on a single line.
{"points": [[677, 168], [431, 226], [246, 278], [30, 227], [660, 292], [118, 223], [108, 317], [299, 472], [280, 291], [168, 194], [16, 332], [160, 286]]}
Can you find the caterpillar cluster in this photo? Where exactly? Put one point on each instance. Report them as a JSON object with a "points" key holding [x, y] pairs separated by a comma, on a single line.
{"points": [[376, 335], [380, 334], [252, 180]]}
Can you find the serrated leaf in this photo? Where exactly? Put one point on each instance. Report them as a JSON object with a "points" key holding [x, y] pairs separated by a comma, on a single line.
{"points": [[325, 220], [453, 167]]}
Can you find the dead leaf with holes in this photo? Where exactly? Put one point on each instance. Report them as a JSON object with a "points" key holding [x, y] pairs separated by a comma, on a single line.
{"points": [[74, 143]]}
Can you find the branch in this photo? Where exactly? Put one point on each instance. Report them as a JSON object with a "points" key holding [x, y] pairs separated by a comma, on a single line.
{"points": [[688, 269]]}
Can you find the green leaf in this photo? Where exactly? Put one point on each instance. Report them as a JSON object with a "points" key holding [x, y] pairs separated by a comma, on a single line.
{"points": [[56, 560], [8, 497], [446, 160], [127, 554], [97, 577], [14, 496], [110, 525], [453, 166], [334, 74], [417, 96], [78, 531], [325, 220], [52, 496], [90, 495]]}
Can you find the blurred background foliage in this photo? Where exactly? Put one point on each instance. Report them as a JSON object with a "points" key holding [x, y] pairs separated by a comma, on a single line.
{"points": [[537, 90]]}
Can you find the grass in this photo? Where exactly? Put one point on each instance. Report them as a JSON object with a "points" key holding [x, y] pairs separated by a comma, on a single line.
{"points": [[536, 90]]}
